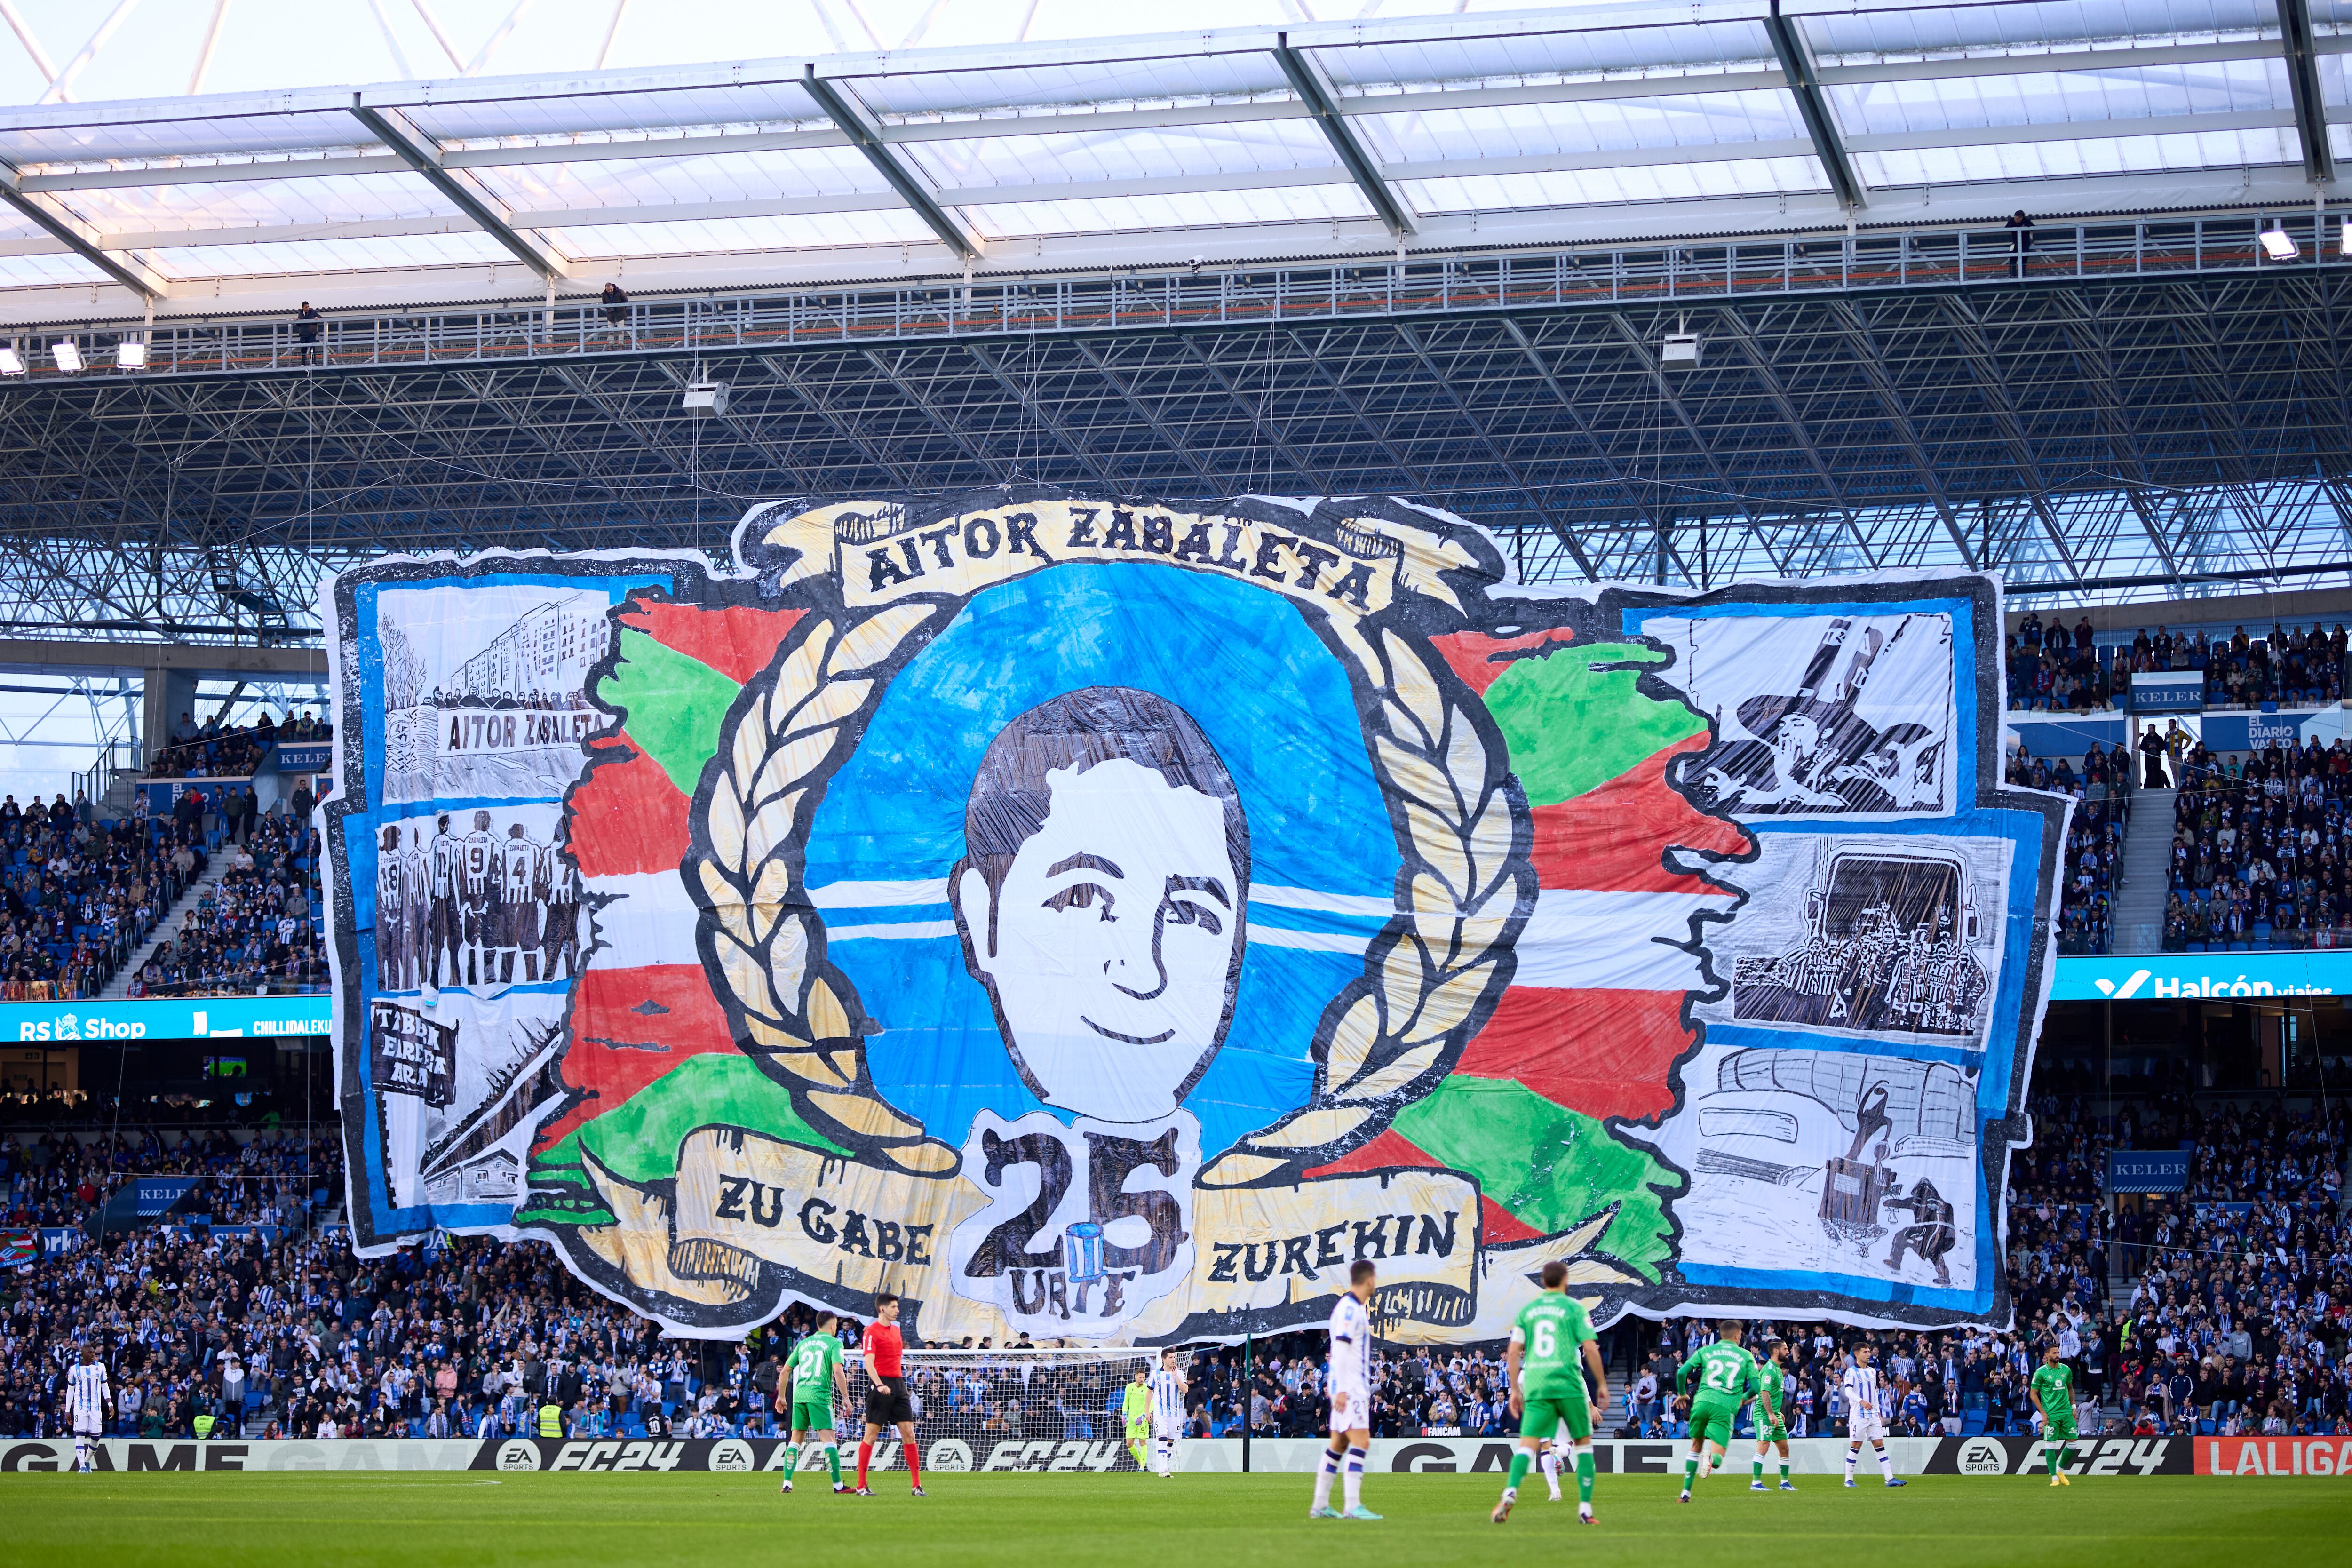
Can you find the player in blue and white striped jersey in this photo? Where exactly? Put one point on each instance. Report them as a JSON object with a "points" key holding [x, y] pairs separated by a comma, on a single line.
{"points": [[88, 1399], [1858, 1389], [1167, 1410]]}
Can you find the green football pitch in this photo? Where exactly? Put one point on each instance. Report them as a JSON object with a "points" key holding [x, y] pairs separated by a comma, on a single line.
{"points": [[1192, 1521]]}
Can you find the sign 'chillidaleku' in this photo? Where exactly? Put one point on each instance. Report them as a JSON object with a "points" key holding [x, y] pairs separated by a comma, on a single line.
{"points": [[1111, 919]]}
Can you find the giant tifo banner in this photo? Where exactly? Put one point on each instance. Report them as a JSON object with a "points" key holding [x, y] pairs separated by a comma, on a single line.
{"points": [[1110, 921]]}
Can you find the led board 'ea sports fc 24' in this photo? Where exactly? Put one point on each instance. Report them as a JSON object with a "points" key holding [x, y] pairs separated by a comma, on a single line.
{"points": [[1109, 919]]}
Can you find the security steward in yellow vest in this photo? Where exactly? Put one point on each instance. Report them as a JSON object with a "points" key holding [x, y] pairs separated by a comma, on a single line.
{"points": [[551, 1420]]}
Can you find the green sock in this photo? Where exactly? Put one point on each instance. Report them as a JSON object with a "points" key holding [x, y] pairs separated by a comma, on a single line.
{"points": [[832, 1461], [1756, 1470], [1784, 1469], [792, 1459], [2057, 1457], [1584, 1475], [1690, 1471], [1520, 1458]]}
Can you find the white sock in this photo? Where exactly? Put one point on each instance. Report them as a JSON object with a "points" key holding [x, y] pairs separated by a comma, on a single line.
{"points": [[1355, 1483], [1167, 1453], [1853, 1458], [1886, 1464], [1323, 1479], [1550, 1458]]}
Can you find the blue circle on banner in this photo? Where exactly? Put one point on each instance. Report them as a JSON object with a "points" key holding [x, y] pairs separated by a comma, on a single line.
{"points": [[1273, 699]]}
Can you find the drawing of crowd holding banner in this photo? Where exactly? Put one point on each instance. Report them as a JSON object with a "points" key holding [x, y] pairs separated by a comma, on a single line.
{"points": [[1109, 919]]}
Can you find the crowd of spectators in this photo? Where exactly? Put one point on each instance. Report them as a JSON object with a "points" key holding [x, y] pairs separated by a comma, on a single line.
{"points": [[256, 929], [2055, 670], [213, 750], [56, 1178], [2237, 1324], [266, 1105], [2260, 855], [255, 1313], [78, 896], [2093, 872]]}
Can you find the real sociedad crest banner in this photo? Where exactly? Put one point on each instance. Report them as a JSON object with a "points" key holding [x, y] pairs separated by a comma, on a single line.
{"points": [[1110, 919]]}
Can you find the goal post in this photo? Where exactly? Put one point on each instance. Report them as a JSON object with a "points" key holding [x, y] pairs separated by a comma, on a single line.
{"points": [[1020, 1408]]}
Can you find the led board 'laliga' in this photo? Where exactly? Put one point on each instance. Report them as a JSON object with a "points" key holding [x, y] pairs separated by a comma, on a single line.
{"points": [[1110, 919]]}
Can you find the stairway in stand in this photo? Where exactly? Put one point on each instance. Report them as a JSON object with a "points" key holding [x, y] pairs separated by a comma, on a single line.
{"points": [[2148, 854], [175, 921]]}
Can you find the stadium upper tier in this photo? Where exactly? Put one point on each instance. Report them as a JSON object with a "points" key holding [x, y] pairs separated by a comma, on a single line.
{"points": [[1375, 136]]}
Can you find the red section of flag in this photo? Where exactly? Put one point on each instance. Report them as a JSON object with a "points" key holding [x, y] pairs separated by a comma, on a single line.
{"points": [[626, 816], [1388, 1152], [628, 1027], [1472, 654], [736, 640], [1393, 1150], [1613, 838], [1603, 1052], [1498, 1226]]}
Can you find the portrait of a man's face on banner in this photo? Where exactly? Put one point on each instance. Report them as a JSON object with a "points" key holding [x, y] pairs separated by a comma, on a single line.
{"points": [[1108, 920]]}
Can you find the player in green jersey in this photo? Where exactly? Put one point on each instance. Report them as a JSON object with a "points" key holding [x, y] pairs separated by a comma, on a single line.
{"points": [[1718, 1378], [1135, 1404], [1772, 1414], [1551, 1346], [2052, 1393], [815, 1369]]}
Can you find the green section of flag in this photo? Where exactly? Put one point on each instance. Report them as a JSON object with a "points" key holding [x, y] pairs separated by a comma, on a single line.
{"points": [[672, 705], [638, 1139], [1572, 726], [1550, 1167]]}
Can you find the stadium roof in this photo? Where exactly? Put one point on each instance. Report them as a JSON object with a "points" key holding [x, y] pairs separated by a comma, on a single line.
{"points": [[1383, 133]]}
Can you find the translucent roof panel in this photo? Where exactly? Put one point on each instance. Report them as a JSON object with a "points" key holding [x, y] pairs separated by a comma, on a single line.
{"points": [[1249, 147], [2094, 155], [1631, 119], [1843, 32], [330, 256], [46, 271], [1590, 187], [1206, 209], [1186, 74], [249, 203], [489, 118], [607, 241], [100, 138], [806, 173], [1663, 47], [1567, 131], [2058, 98]]}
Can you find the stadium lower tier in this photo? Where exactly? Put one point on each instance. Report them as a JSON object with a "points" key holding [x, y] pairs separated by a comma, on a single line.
{"points": [[236, 1301]]}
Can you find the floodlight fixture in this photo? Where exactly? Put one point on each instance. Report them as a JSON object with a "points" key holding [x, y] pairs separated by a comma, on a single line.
{"points": [[2278, 245], [2344, 241], [12, 360], [68, 354], [130, 354]]}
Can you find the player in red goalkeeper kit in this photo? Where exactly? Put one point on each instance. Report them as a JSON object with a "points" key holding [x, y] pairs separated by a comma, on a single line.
{"points": [[886, 1404]]}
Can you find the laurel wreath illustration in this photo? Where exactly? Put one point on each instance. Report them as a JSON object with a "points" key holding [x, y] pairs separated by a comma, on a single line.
{"points": [[1443, 952]]}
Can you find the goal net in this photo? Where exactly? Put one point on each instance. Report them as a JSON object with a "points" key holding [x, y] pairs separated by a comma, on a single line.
{"points": [[1016, 1409]]}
